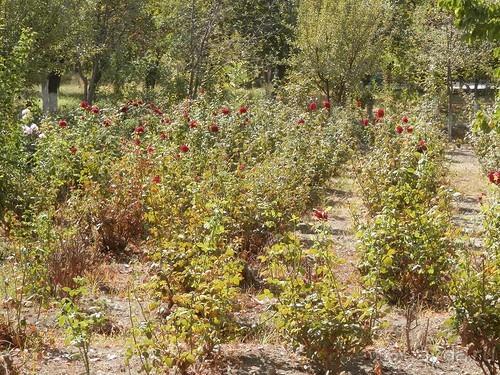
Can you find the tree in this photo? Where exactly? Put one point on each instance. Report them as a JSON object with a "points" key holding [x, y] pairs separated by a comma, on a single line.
{"points": [[193, 41], [106, 25], [266, 28], [339, 43], [480, 19], [13, 62], [52, 24]]}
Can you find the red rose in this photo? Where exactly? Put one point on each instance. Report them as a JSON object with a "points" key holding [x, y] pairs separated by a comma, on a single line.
{"points": [[225, 111], [95, 110], [163, 135], [139, 129], [358, 104], [157, 111], [107, 122], [366, 121], [150, 149], [124, 109], [243, 110], [214, 128], [404, 119], [193, 124], [320, 214], [327, 105], [380, 113], [73, 149], [421, 146], [312, 106], [301, 121], [63, 124], [409, 129], [137, 142], [184, 148], [84, 104], [399, 129], [494, 177], [157, 178], [202, 92]]}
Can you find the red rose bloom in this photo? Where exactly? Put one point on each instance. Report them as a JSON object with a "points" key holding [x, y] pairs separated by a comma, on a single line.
{"points": [[312, 106], [73, 149], [139, 129], [301, 121], [225, 111], [137, 142], [404, 119], [421, 146], [150, 149], [84, 104], [320, 214], [399, 129], [366, 121], [214, 128], [193, 124], [184, 148], [163, 135], [327, 105], [243, 110], [380, 113], [124, 109], [358, 104], [157, 178], [494, 177], [63, 124], [95, 110], [409, 129]]}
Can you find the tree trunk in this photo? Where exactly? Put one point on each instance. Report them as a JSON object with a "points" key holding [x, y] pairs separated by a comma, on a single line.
{"points": [[84, 79], [476, 92], [93, 81], [50, 89]]}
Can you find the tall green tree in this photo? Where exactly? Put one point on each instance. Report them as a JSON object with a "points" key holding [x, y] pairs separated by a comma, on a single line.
{"points": [[339, 43], [193, 41], [266, 28], [52, 23], [105, 26], [13, 64]]}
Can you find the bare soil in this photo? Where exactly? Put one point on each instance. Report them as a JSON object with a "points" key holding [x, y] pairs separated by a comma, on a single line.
{"points": [[264, 353]]}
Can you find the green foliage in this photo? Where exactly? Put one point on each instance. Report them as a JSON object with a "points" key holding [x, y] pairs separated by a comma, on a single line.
{"points": [[338, 44], [80, 323], [479, 18], [194, 288], [406, 246], [315, 310], [476, 293], [13, 60]]}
